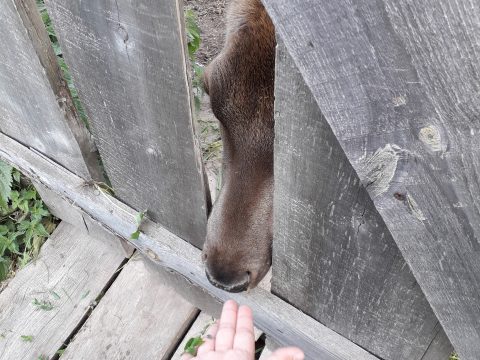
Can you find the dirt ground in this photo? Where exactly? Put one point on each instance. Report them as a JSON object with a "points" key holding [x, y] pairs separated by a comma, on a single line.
{"points": [[210, 15], [211, 21]]}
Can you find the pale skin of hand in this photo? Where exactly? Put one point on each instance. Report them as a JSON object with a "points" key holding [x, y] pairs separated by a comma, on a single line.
{"points": [[232, 338]]}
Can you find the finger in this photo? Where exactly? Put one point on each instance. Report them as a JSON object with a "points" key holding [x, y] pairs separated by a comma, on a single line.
{"points": [[186, 356], [209, 340], [244, 337], [226, 327], [288, 353]]}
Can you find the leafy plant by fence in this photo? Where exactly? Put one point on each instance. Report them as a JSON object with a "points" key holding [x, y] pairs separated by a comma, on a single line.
{"points": [[25, 222]]}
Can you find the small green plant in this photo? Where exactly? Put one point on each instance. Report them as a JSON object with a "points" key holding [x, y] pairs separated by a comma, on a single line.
{"points": [[138, 219], [454, 356], [25, 223], [193, 42], [27, 338], [192, 345], [43, 304]]}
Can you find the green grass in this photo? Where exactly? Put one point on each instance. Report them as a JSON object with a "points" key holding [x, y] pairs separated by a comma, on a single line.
{"points": [[193, 41], [25, 222], [61, 62]]}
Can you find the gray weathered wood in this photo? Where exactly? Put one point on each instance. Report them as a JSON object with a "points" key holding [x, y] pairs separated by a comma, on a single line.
{"points": [[32, 21], [138, 318], [397, 81], [29, 110], [333, 256], [128, 61], [284, 323], [70, 272]]}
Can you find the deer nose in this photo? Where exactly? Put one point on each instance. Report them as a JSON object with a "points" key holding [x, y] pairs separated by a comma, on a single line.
{"points": [[230, 282]]}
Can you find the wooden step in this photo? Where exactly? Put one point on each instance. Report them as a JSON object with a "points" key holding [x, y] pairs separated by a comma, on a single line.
{"points": [[138, 318], [47, 299]]}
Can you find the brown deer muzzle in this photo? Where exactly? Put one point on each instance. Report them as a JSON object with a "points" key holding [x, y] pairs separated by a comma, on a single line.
{"points": [[237, 251]]}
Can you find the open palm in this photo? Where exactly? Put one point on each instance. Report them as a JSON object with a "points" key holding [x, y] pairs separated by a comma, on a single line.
{"points": [[232, 338]]}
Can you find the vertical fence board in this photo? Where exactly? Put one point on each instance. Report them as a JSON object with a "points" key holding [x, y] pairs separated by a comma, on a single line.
{"points": [[32, 21], [29, 111], [398, 83], [128, 60], [333, 256]]}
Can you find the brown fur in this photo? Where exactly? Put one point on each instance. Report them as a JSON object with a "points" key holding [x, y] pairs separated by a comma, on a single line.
{"points": [[240, 82]]}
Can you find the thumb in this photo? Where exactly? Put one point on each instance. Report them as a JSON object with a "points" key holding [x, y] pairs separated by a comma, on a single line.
{"points": [[287, 353]]}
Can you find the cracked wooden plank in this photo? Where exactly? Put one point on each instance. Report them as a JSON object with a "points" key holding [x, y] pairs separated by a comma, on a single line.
{"points": [[68, 275], [139, 317], [333, 256], [129, 64], [406, 74]]}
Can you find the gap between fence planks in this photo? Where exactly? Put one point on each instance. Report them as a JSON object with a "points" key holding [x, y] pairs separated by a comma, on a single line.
{"points": [[282, 322], [69, 273], [397, 81], [138, 318]]}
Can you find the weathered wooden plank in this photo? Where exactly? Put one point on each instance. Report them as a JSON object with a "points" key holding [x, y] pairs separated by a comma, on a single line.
{"points": [[32, 21], [70, 272], [202, 322], [281, 321], [138, 318], [333, 256], [440, 348], [128, 61], [29, 110], [397, 81]]}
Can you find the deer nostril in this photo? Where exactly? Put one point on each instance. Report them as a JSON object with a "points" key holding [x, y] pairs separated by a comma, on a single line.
{"points": [[204, 257], [231, 285]]}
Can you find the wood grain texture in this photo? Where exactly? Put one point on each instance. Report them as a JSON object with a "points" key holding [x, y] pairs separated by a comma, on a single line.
{"points": [[397, 81], [29, 110], [32, 21], [282, 322], [128, 61], [69, 274], [138, 318], [333, 256]]}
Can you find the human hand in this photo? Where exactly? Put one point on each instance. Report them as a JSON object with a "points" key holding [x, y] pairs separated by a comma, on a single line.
{"points": [[232, 338]]}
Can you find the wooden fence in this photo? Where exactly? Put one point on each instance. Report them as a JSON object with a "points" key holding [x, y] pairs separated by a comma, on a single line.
{"points": [[377, 210]]}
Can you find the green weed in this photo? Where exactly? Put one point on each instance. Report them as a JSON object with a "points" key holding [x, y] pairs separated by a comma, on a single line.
{"points": [[192, 345], [138, 219], [43, 304], [61, 62], [25, 222], [27, 338], [193, 42]]}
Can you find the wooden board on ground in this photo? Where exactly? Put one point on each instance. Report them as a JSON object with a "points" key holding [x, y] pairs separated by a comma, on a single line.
{"points": [[397, 82], [48, 298], [333, 256], [138, 318], [29, 110], [282, 322], [142, 123]]}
